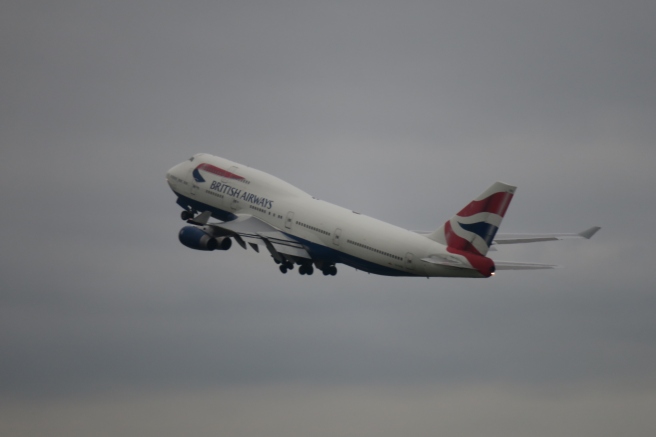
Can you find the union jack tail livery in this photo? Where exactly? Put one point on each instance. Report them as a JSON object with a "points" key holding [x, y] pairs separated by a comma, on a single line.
{"points": [[474, 227]]}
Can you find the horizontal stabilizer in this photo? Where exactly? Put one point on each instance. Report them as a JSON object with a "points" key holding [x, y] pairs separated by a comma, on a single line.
{"points": [[532, 238], [507, 265], [446, 261]]}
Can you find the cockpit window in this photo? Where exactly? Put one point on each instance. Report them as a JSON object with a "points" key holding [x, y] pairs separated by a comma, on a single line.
{"points": [[192, 158]]}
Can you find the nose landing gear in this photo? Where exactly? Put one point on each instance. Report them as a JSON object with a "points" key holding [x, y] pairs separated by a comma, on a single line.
{"points": [[186, 215]]}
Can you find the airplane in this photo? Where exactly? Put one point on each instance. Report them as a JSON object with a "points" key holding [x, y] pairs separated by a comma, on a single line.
{"points": [[257, 209]]}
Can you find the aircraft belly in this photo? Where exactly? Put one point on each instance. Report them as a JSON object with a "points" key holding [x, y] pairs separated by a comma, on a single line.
{"points": [[321, 252], [217, 213]]}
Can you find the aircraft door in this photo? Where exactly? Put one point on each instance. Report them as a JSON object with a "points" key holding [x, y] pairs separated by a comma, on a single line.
{"points": [[234, 204], [193, 186], [289, 220], [336, 236], [409, 258]]}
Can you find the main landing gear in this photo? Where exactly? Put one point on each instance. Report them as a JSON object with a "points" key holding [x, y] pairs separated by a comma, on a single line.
{"points": [[306, 269], [286, 266], [330, 270]]}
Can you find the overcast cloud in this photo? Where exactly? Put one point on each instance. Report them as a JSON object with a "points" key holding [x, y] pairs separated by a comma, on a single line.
{"points": [[402, 110]]}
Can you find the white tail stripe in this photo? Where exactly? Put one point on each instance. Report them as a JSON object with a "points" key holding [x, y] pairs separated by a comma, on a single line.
{"points": [[493, 219], [475, 240]]}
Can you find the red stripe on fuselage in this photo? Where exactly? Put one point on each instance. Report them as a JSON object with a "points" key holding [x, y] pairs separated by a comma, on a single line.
{"points": [[219, 172], [497, 203]]}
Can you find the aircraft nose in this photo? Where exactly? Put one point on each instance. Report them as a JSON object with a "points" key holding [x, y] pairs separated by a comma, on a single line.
{"points": [[175, 173]]}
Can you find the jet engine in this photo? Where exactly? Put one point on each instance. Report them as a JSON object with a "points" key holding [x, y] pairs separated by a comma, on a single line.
{"points": [[196, 238]]}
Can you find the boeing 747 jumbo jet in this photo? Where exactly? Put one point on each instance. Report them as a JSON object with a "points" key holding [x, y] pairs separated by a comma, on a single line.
{"points": [[257, 209]]}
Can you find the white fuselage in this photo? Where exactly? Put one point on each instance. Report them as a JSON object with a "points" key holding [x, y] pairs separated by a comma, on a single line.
{"points": [[327, 231]]}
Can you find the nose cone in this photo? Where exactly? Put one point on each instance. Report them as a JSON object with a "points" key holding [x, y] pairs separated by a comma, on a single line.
{"points": [[176, 175], [176, 171]]}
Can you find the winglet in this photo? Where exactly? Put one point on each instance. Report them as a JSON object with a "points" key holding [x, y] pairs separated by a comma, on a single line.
{"points": [[588, 233]]}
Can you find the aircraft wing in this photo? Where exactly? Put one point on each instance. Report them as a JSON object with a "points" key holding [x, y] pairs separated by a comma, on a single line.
{"points": [[531, 238], [248, 229]]}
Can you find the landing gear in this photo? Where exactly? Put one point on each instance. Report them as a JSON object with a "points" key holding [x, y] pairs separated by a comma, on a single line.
{"points": [[186, 215], [306, 269], [330, 270], [284, 266]]}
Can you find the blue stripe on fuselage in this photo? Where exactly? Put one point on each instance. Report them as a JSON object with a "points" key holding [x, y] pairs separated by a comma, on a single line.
{"points": [[316, 251], [197, 176], [321, 252]]}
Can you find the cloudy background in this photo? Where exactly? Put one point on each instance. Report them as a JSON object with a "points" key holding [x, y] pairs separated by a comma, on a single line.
{"points": [[402, 110]]}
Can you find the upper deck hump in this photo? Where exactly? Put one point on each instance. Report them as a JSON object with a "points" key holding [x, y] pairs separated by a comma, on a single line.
{"points": [[255, 178]]}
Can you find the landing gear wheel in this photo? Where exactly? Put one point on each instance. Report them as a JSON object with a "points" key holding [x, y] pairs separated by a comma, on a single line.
{"points": [[186, 215], [289, 266], [283, 269], [329, 270], [306, 270]]}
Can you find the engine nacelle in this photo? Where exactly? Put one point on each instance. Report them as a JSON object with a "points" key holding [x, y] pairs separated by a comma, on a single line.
{"points": [[223, 243], [198, 239]]}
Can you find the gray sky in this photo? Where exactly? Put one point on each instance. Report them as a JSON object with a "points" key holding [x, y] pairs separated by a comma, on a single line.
{"points": [[404, 111]]}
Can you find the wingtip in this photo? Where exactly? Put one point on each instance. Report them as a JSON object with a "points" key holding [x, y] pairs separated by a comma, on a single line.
{"points": [[588, 233]]}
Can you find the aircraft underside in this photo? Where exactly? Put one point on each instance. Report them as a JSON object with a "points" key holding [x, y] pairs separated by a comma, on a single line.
{"points": [[323, 258]]}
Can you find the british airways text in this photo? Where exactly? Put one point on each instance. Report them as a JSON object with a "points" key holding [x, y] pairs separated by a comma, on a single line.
{"points": [[238, 194]]}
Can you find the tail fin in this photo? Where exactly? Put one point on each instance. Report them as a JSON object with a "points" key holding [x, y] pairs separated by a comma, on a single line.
{"points": [[474, 227]]}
